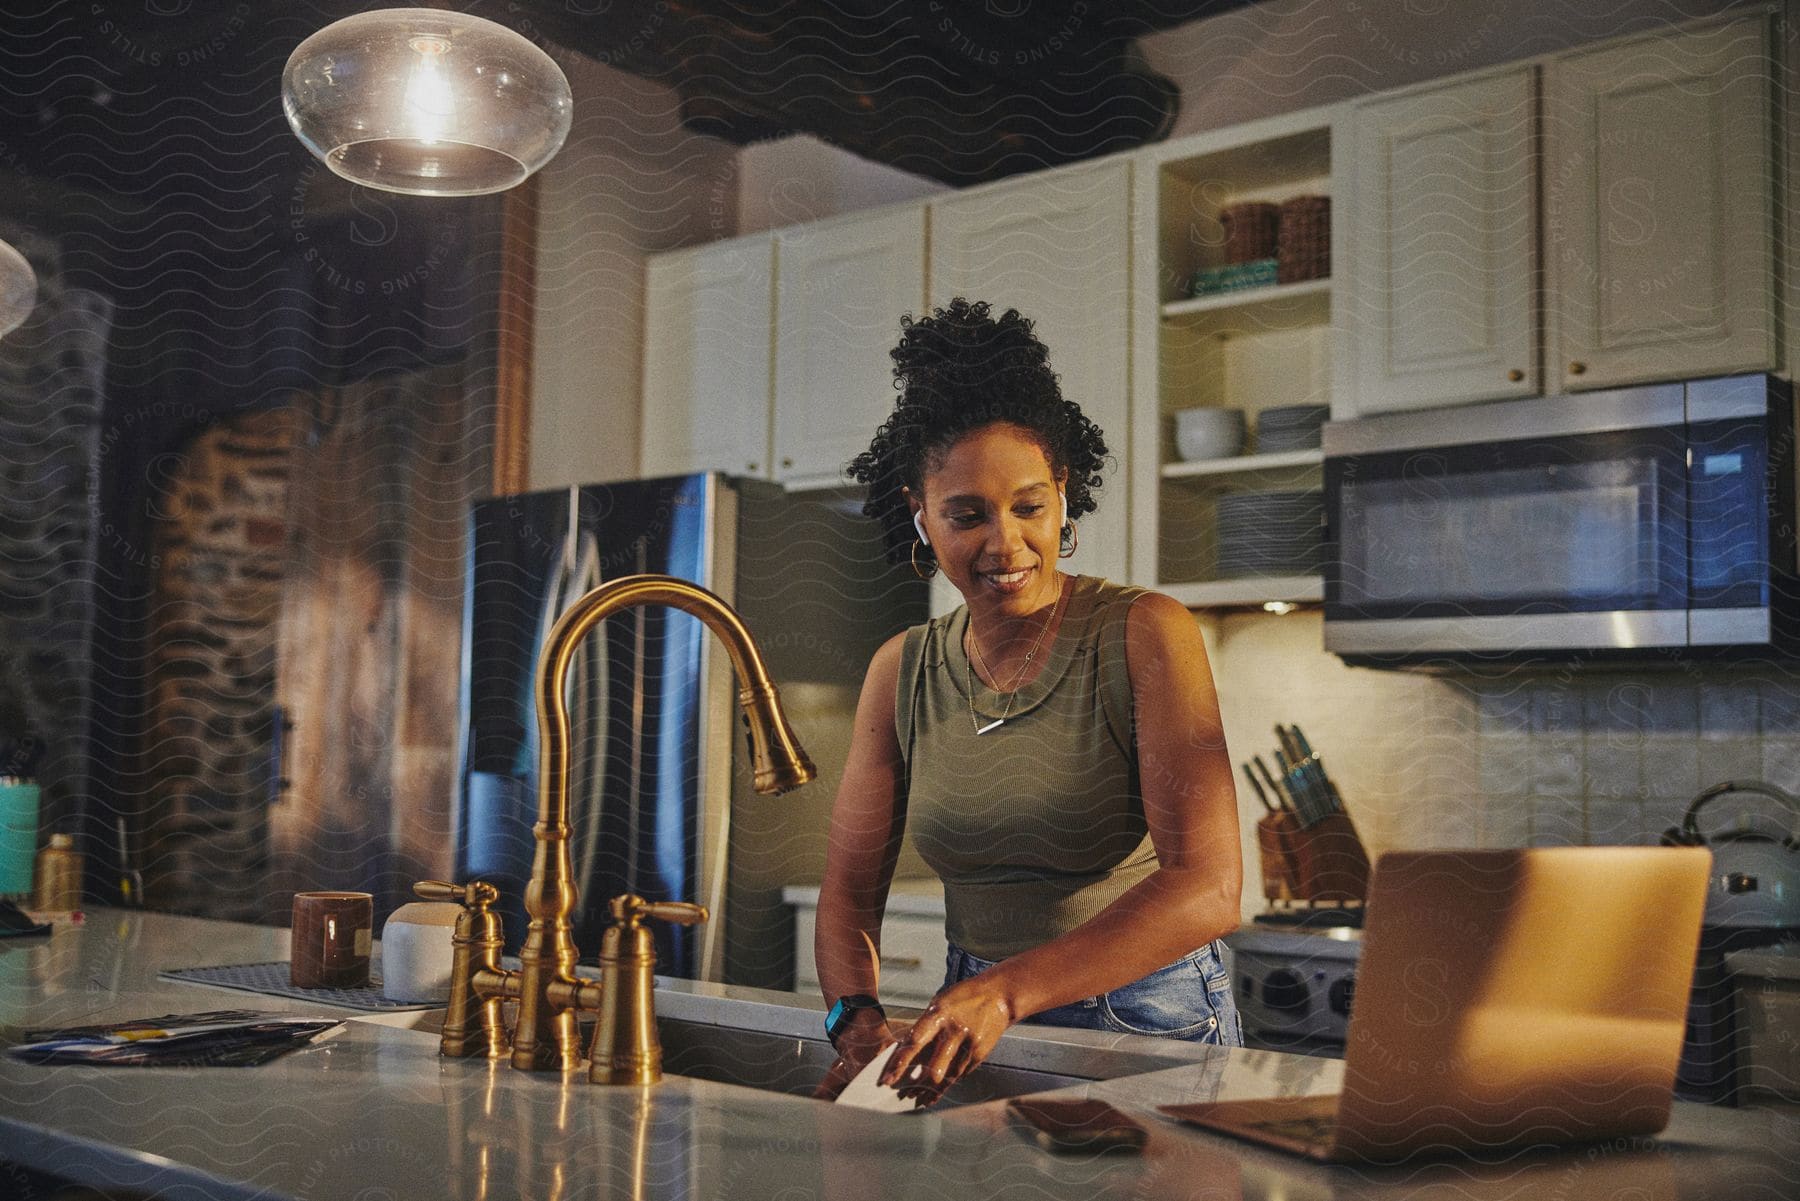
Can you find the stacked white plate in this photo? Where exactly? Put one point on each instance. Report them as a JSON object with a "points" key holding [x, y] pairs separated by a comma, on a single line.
{"points": [[1270, 533], [1290, 427]]}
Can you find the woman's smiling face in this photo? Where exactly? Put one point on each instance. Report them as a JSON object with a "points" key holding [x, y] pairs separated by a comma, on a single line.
{"points": [[992, 509]]}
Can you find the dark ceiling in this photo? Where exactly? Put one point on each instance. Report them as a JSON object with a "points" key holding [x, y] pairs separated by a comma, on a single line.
{"points": [[147, 135], [959, 90]]}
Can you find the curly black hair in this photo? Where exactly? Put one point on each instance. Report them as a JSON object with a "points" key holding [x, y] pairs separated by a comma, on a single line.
{"points": [[959, 370]]}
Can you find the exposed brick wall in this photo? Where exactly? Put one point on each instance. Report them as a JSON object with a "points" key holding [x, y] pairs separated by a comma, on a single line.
{"points": [[220, 548], [309, 556], [52, 378]]}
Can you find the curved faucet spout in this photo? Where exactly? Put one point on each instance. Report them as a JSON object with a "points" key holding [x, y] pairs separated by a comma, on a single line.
{"points": [[546, 1037]]}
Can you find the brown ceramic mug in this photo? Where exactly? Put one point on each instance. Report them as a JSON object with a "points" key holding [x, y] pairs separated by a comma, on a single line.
{"points": [[331, 933]]}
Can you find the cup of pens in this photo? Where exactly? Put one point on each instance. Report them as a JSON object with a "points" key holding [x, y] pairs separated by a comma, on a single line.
{"points": [[1308, 845]]}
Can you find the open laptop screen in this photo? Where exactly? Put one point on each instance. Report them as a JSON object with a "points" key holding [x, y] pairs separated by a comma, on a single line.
{"points": [[1523, 996]]}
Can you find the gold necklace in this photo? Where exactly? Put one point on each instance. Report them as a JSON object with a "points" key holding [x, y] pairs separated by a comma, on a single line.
{"points": [[1012, 694]]}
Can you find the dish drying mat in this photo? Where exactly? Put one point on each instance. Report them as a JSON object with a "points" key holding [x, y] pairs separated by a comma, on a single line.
{"points": [[272, 980]]}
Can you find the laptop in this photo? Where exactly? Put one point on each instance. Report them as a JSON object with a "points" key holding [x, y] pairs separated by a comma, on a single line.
{"points": [[1504, 999]]}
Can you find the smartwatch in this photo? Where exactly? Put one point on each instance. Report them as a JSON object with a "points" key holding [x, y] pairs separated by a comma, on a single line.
{"points": [[844, 1008]]}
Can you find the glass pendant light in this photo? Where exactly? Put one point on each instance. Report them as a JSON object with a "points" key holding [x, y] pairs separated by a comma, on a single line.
{"points": [[18, 289], [427, 102]]}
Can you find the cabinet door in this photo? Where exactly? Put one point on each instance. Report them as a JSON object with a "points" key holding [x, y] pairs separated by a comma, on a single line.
{"points": [[1444, 250], [842, 289], [1658, 192], [1058, 249], [706, 360], [913, 950]]}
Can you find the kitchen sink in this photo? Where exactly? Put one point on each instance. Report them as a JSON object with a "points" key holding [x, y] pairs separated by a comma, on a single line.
{"points": [[786, 1064], [772, 1041]]}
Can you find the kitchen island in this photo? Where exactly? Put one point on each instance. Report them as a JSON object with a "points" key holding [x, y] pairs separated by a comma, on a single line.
{"points": [[374, 1113]]}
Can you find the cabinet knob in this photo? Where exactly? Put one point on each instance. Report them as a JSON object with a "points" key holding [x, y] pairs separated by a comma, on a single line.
{"points": [[1577, 367], [787, 462], [1515, 375], [750, 466]]}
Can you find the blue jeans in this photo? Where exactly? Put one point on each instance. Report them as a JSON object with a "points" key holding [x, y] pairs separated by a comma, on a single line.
{"points": [[1189, 999]]}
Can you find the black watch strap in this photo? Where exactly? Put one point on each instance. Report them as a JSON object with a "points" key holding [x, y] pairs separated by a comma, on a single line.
{"points": [[844, 1009]]}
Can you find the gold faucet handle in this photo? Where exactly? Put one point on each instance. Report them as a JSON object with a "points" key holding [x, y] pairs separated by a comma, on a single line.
{"points": [[630, 909], [476, 895]]}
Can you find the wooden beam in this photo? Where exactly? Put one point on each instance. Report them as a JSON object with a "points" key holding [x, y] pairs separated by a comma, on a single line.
{"points": [[518, 317]]}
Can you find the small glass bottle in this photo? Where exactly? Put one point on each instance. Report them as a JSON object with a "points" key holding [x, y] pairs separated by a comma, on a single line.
{"points": [[58, 876]]}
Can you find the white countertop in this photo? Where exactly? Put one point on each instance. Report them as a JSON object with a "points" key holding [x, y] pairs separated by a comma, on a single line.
{"points": [[376, 1113]]}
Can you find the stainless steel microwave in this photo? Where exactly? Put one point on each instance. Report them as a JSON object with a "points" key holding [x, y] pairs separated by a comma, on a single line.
{"points": [[1643, 522]]}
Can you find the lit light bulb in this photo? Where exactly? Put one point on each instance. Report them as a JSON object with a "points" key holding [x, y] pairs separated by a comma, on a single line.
{"points": [[426, 101], [1279, 608], [430, 106], [18, 289]]}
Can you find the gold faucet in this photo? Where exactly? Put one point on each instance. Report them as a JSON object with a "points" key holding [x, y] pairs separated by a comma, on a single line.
{"points": [[627, 1049], [546, 1036]]}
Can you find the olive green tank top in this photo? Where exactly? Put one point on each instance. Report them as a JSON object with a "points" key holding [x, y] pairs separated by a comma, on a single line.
{"points": [[1038, 824]]}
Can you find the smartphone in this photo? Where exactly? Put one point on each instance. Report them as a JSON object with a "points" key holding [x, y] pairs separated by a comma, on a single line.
{"points": [[1080, 1127]]}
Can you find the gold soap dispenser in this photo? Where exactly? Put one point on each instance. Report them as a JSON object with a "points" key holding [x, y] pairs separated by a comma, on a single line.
{"points": [[627, 1049], [56, 876]]}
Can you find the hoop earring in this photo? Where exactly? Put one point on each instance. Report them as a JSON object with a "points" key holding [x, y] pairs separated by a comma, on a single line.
{"points": [[932, 563], [1074, 533]]}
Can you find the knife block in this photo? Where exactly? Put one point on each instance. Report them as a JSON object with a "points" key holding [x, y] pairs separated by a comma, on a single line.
{"points": [[1272, 833], [1321, 862]]}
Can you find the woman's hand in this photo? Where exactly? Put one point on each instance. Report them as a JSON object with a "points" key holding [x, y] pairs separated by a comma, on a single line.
{"points": [[957, 1031], [858, 1044]]}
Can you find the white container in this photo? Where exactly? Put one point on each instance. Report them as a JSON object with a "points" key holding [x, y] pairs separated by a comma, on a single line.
{"points": [[1209, 433], [416, 951]]}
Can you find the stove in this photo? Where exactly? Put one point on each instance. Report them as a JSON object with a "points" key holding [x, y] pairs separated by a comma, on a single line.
{"points": [[1294, 973]]}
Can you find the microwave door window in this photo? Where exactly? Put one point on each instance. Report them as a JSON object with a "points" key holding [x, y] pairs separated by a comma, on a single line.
{"points": [[1535, 537], [1730, 515]]}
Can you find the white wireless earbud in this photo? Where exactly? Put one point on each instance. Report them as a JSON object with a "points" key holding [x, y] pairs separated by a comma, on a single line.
{"points": [[919, 525], [1064, 519]]}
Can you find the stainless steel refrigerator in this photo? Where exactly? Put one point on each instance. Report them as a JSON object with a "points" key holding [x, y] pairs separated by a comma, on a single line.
{"points": [[660, 797]]}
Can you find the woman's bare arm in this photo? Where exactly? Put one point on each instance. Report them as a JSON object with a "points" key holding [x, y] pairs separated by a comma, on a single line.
{"points": [[867, 820]]}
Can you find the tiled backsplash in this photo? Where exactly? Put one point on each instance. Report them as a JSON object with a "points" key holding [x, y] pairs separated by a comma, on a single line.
{"points": [[1538, 758]]}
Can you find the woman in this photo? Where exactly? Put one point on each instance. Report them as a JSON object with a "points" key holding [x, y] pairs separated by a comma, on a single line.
{"points": [[1055, 741]]}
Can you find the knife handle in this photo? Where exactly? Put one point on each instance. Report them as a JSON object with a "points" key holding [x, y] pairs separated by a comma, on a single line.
{"points": [[1257, 786], [1275, 789]]}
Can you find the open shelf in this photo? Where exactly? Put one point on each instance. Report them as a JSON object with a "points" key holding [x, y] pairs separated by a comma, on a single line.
{"points": [[1251, 168], [1251, 348], [1251, 590], [1243, 464], [1279, 306]]}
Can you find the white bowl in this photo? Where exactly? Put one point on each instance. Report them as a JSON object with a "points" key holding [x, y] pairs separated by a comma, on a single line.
{"points": [[1209, 433]]}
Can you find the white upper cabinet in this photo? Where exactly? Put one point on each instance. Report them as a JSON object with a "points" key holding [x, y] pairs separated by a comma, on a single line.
{"points": [[1057, 247], [706, 359], [841, 288], [1443, 252], [1658, 197]]}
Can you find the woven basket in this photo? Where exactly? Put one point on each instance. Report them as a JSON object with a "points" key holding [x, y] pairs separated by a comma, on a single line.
{"points": [[1250, 230], [1303, 245]]}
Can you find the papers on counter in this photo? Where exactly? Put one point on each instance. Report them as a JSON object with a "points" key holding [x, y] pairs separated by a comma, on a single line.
{"points": [[217, 1038]]}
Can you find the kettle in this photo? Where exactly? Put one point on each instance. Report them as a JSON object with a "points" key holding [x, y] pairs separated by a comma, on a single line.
{"points": [[1755, 876]]}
